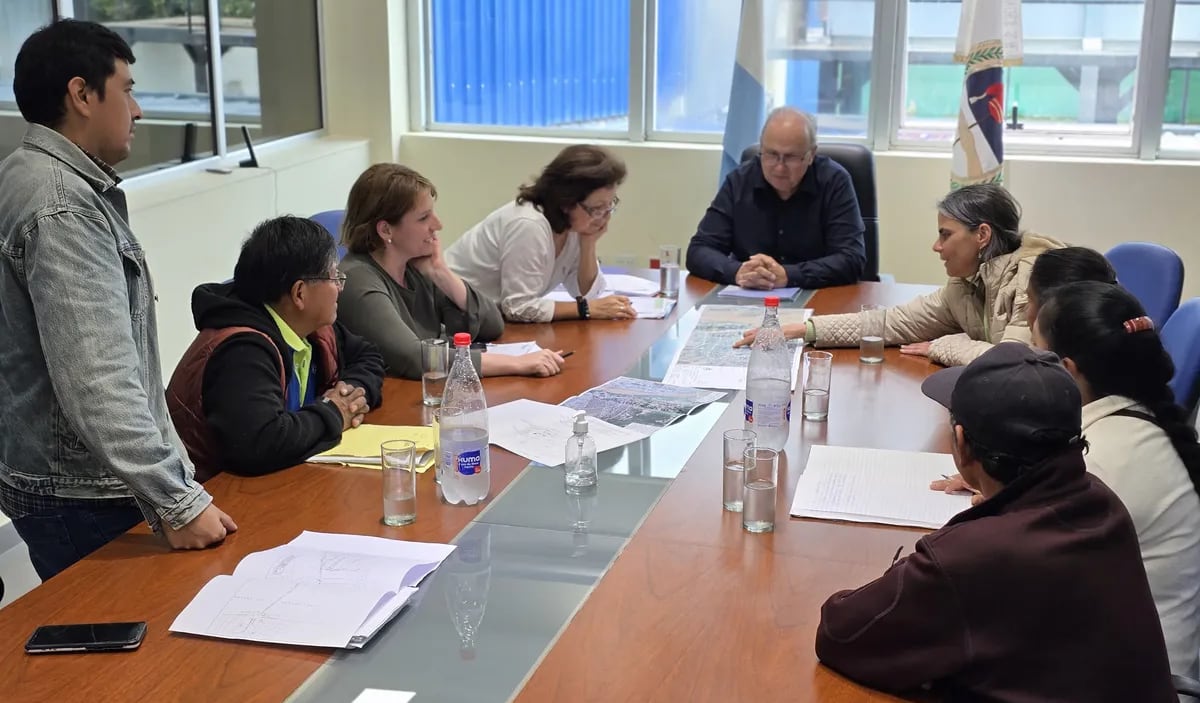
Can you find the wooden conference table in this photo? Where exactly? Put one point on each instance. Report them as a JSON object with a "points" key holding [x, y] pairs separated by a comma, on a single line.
{"points": [[683, 606]]}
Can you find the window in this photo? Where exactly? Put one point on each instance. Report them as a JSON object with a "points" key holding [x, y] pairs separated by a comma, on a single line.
{"points": [[269, 69], [531, 63], [1181, 112], [170, 44], [1076, 81], [18, 19], [552, 67], [818, 58]]}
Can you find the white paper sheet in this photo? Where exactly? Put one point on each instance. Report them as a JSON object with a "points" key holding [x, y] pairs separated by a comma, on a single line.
{"points": [[652, 308], [876, 485], [381, 695], [732, 291], [647, 308], [539, 432], [280, 611], [513, 348], [707, 358], [322, 590], [624, 284]]}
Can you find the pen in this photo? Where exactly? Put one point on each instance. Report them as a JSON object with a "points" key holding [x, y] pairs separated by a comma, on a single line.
{"points": [[897, 555], [566, 354], [964, 484]]}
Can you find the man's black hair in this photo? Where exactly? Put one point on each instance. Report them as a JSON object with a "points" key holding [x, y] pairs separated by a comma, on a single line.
{"points": [[278, 253], [55, 54]]}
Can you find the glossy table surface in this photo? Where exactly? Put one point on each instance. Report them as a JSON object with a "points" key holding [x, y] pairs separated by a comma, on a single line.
{"points": [[661, 597]]}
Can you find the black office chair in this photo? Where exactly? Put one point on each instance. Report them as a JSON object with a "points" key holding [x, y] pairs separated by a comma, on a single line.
{"points": [[860, 164]]}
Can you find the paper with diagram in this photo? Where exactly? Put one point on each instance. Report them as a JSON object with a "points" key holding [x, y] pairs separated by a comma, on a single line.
{"points": [[707, 358], [639, 405], [319, 590], [539, 432]]}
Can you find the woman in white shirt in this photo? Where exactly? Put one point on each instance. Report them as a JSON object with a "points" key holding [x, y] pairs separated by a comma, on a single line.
{"points": [[1142, 446], [547, 237]]}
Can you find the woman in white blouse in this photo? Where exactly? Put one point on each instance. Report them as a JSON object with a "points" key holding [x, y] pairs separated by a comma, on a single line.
{"points": [[1142, 446], [547, 237]]}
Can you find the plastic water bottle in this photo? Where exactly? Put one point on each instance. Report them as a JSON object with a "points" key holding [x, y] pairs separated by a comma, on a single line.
{"points": [[769, 382], [463, 431], [580, 467]]}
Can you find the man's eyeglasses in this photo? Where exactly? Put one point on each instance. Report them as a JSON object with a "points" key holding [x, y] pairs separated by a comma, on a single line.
{"points": [[338, 278], [774, 157], [601, 211]]}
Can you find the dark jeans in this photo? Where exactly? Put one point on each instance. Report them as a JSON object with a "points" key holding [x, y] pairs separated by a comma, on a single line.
{"points": [[59, 538]]}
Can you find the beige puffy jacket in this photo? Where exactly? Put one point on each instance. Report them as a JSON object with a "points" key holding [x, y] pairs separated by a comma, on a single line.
{"points": [[953, 317]]}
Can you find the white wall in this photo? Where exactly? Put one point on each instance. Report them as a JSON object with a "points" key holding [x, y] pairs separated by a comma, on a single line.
{"points": [[192, 224], [1090, 203]]}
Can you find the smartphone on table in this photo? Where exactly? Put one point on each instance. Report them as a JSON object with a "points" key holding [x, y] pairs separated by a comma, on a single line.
{"points": [[91, 637]]}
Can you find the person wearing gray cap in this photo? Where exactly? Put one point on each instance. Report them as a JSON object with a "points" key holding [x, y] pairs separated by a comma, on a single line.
{"points": [[1036, 593]]}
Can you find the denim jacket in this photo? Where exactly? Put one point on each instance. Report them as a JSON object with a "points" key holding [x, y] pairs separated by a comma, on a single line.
{"points": [[83, 413]]}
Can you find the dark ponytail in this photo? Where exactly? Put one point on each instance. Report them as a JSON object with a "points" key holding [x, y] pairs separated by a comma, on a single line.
{"points": [[1085, 322]]}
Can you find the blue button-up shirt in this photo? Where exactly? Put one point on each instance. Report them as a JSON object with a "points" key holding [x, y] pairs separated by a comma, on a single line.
{"points": [[816, 234]]}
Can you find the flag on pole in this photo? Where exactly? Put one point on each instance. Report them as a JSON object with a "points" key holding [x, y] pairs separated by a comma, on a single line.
{"points": [[747, 94], [989, 38]]}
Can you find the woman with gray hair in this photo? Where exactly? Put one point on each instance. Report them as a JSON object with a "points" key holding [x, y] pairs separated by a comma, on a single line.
{"points": [[988, 260]]}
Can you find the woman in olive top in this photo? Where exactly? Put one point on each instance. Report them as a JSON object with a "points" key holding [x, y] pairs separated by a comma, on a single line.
{"points": [[398, 287]]}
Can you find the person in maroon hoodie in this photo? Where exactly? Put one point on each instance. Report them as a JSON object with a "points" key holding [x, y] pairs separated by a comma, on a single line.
{"points": [[1036, 594], [272, 378]]}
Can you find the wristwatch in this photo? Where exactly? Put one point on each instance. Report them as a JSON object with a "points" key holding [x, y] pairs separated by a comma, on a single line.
{"points": [[584, 313]]}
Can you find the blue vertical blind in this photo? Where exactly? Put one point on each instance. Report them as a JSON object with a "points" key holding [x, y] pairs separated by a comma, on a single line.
{"points": [[535, 63]]}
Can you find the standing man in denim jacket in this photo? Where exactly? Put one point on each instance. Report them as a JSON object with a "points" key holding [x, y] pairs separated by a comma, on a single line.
{"points": [[87, 448]]}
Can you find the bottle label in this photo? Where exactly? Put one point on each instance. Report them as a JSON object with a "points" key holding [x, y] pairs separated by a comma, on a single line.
{"points": [[470, 463], [768, 414]]}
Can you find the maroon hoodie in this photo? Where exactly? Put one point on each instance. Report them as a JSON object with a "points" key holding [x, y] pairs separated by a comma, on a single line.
{"points": [[1037, 594]]}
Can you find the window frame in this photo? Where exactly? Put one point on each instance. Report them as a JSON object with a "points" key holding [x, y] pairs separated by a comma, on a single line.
{"points": [[222, 154], [885, 110]]}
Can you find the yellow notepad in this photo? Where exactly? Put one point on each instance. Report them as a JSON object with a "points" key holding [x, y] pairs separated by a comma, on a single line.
{"points": [[360, 446]]}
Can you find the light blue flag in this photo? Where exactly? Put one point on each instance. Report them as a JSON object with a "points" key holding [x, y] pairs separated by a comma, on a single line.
{"points": [[747, 95]]}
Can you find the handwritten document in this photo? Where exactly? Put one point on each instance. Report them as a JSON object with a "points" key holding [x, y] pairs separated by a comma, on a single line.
{"points": [[319, 590], [539, 432], [876, 485]]}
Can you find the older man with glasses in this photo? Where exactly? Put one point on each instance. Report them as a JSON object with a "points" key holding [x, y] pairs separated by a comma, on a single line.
{"points": [[272, 378], [785, 218]]}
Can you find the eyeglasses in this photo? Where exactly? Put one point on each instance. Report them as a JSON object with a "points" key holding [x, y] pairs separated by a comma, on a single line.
{"points": [[774, 157], [601, 211], [337, 278]]}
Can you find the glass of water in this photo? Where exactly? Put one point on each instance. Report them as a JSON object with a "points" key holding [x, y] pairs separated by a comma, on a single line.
{"points": [[872, 321], [399, 482], [736, 444], [668, 270], [818, 371], [759, 477], [435, 363]]}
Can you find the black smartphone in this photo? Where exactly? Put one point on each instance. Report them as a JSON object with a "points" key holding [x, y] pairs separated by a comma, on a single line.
{"points": [[94, 637]]}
